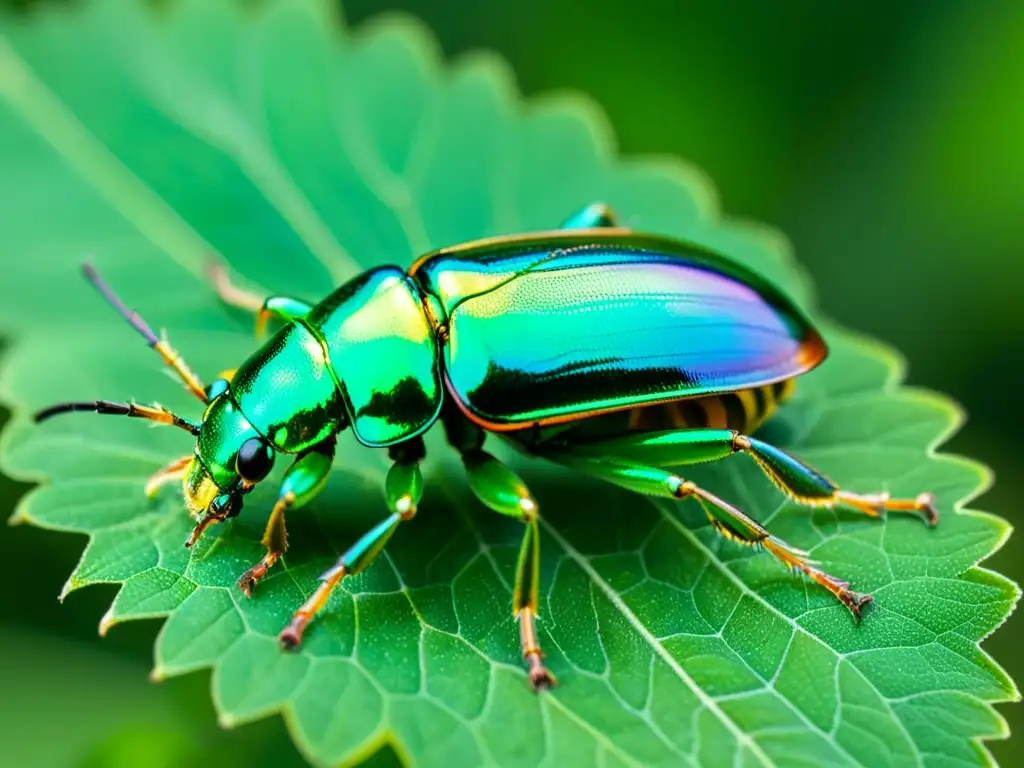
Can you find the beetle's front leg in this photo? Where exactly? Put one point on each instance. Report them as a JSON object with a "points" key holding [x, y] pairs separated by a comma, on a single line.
{"points": [[303, 481], [403, 489]]}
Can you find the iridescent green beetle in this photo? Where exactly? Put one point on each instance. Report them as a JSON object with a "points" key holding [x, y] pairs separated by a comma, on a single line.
{"points": [[616, 353]]}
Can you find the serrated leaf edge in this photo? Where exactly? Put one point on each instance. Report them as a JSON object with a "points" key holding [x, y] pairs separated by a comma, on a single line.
{"points": [[590, 114]]}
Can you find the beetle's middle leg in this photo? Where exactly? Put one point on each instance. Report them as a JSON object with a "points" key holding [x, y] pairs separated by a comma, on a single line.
{"points": [[499, 488], [403, 489], [303, 481], [265, 308]]}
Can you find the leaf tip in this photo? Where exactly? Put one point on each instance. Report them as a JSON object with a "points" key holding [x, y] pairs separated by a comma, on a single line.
{"points": [[157, 675], [21, 515], [1006, 530], [1012, 697], [69, 586], [107, 622]]}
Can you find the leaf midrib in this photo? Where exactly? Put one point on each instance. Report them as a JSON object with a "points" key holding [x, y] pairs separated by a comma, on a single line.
{"points": [[743, 739], [267, 175], [387, 697], [485, 550], [124, 191], [840, 657]]}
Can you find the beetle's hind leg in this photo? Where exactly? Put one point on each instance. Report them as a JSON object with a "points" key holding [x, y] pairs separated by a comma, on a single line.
{"points": [[796, 479], [727, 520], [592, 216], [806, 485], [265, 308]]}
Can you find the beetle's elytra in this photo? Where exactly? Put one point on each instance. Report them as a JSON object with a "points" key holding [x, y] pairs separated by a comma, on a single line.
{"points": [[616, 353]]}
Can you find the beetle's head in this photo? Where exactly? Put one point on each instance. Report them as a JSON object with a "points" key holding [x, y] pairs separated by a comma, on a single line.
{"points": [[231, 458]]}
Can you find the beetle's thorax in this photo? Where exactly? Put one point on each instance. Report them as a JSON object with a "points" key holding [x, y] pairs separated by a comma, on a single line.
{"points": [[383, 349], [288, 391], [366, 355]]}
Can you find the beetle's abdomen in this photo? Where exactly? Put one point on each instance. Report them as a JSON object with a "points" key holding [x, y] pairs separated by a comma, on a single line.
{"points": [[287, 391], [557, 329], [383, 351], [743, 411]]}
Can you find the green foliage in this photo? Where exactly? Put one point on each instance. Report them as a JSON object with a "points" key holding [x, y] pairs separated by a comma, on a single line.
{"points": [[301, 153]]}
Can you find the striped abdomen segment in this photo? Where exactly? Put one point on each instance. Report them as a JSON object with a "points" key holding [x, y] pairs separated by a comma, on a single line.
{"points": [[743, 411]]}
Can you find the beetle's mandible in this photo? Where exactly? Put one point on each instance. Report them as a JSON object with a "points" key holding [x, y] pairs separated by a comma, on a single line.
{"points": [[619, 354]]}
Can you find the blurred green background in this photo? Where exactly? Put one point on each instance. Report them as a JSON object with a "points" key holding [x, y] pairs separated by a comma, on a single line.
{"points": [[885, 139]]}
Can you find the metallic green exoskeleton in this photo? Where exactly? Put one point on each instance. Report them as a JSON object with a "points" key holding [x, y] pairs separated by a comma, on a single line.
{"points": [[619, 354]]}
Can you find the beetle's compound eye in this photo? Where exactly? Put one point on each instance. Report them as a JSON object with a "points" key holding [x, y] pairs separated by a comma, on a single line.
{"points": [[255, 460]]}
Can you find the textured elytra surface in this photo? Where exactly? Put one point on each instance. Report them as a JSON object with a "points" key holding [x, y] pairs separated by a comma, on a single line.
{"points": [[300, 153]]}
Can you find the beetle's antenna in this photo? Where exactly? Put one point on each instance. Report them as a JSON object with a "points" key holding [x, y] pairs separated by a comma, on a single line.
{"points": [[169, 355], [156, 413]]}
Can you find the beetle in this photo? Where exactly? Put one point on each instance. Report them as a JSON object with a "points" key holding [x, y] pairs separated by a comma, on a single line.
{"points": [[619, 354]]}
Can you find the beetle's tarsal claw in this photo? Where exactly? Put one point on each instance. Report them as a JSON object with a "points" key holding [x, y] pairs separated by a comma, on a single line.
{"points": [[926, 502], [856, 602], [289, 639], [877, 504], [246, 584], [291, 636], [248, 580], [541, 678]]}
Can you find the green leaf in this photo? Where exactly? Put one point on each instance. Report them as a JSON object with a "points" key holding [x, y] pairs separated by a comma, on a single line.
{"points": [[301, 152]]}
